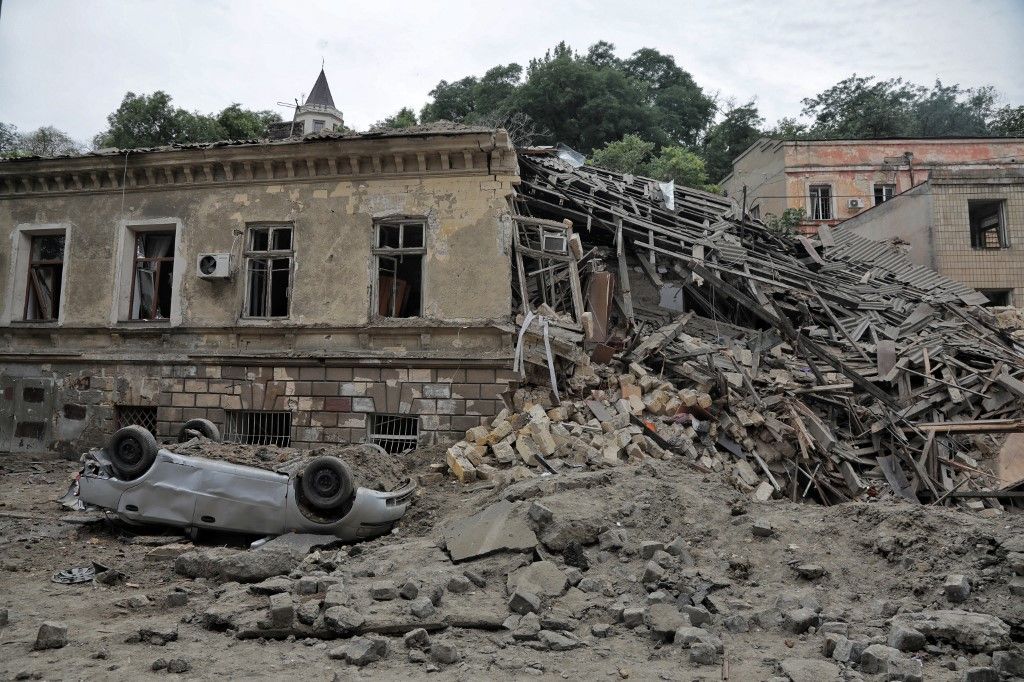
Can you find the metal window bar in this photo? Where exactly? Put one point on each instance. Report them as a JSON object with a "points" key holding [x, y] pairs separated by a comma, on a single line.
{"points": [[395, 433], [135, 415], [250, 427]]}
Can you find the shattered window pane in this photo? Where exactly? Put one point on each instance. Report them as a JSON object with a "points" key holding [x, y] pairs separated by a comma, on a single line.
{"points": [[153, 277], [821, 202], [399, 263], [45, 272], [260, 239], [389, 236], [268, 272]]}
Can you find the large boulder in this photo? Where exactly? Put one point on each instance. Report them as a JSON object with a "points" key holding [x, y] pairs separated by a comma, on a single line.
{"points": [[978, 632], [222, 563]]}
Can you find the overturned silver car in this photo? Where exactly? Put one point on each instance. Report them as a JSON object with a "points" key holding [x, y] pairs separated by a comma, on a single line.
{"points": [[145, 484]]}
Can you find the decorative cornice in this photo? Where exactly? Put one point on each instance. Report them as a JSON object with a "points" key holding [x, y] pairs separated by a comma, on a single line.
{"points": [[472, 153]]}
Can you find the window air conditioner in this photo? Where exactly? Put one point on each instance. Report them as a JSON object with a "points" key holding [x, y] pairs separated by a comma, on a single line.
{"points": [[854, 203], [213, 265], [555, 243]]}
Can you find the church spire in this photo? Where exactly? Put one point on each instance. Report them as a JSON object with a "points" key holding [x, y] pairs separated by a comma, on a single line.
{"points": [[321, 92]]}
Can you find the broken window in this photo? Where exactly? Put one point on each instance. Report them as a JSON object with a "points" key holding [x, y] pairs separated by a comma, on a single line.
{"points": [[988, 230], [883, 193], [399, 250], [997, 297], [821, 202], [251, 427], [152, 281], [393, 432], [268, 271], [317, 125], [135, 415], [45, 273]]}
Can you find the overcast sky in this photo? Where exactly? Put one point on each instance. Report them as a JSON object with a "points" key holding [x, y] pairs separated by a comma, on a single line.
{"points": [[68, 63]]}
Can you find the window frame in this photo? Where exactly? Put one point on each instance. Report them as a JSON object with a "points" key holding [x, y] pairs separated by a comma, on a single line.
{"points": [[13, 311], [249, 254], [883, 186], [124, 271], [45, 263], [812, 202], [1004, 238], [321, 123], [159, 260], [376, 252]]}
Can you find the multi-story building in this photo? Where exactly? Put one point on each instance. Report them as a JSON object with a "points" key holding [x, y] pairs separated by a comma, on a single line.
{"points": [[965, 224], [331, 289], [316, 114], [835, 180]]}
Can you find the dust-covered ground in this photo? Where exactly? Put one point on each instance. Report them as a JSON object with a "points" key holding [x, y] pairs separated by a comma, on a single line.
{"points": [[650, 571]]}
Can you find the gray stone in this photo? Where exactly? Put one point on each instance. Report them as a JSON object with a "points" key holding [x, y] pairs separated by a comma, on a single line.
{"points": [[649, 547], [557, 619], [523, 602], [611, 540], [417, 639], [809, 571], [737, 623], [905, 638], [3, 617], [476, 578], [687, 636], [698, 615], [282, 610], [848, 650], [527, 628], [679, 549], [422, 607], [1016, 586], [981, 674], [558, 641], [877, 658], [653, 572], [410, 590], [799, 621], [573, 575], [663, 620], [600, 629], [158, 634], [52, 634], [905, 669], [361, 650], [308, 611], [178, 665], [459, 584], [704, 654], [223, 564], [956, 588], [307, 585], [502, 526], [810, 670], [335, 596], [539, 513], [342, 620], [976, 632], [444, 653], [762, 528], [159, 664], [659, 597], [383, 590], [632, 617], [543, 578], [1009, 662], [176, 599]]}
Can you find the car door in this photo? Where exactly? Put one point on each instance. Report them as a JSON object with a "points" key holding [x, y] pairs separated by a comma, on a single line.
{"points": [[240, 499]]}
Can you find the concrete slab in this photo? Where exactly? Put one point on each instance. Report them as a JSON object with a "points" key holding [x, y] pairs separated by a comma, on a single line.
{"points": [[502, 526]]}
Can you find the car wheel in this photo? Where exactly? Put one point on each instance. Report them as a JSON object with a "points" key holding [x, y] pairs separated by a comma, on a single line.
{"points": [[326, 483], [204, 427], [132, 451]]}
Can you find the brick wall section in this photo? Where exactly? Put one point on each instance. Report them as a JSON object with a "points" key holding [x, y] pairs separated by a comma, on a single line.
{"points": [[328, 404]]}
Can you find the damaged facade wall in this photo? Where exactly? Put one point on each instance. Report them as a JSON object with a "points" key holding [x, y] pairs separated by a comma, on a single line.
{"points": [[332, 360]]}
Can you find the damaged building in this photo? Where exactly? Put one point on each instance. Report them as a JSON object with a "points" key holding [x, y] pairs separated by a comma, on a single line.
{"points": [[329, 289]]}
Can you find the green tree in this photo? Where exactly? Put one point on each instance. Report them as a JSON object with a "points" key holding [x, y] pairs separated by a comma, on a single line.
{"points": [[243, 124], [681, 109], [739, 128], [789, 128], [404, 118], [952, 110], [48, 141], [861, 107], [1008, 121], [8, 139], [681, 165], [628, 155], [785, 224]]}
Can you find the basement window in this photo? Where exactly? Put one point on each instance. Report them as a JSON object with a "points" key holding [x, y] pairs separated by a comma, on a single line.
{"points": [[268, 271], [251, 427], [135, 415], [45, 274], [395, 433], [153, 278], [988, 229], [821, 202], [883, 193], [997, 297], [399, 251]]}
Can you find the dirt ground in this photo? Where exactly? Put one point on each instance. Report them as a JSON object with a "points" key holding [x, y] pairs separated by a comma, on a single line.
{"points": [[878, 560]]}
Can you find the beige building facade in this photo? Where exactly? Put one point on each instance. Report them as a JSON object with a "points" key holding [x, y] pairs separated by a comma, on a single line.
{"points": [[835, 180], [967, 225], [335, 289]]}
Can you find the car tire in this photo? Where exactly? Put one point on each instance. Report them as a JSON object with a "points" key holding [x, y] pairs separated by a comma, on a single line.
{"points": [[326, 484], [132, 451], [205, 428]]}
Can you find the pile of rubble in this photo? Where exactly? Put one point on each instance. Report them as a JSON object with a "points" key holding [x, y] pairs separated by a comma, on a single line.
{"points": [[832, 367]]}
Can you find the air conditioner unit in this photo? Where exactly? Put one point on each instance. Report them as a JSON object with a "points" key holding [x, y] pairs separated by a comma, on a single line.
{"points": [[213, 265], [855, 203], [555, 243]]}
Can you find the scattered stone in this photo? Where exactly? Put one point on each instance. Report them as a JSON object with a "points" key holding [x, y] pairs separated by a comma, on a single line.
{"points": [[417, 639], [799, 621], [1009, 663], [704, 654], [422, 607], [343, 620], [444, 653], [543, 578], [502, 526], [906, 670], [653, 572], [663, 620], [523, 602], [158, 635], [981, 674], [476, 578], [459, 584], [848, 650], [762, 528], [810, 670], [176, 599], [159, 664], [539, 513], [956, 588], [737, 623], [632, 617], [600, 629], [698, 615], [410, 590], [527, 628], [282, 610], [611, 540], [52, 635], [223, 564], [383, 590], [905, 638], [877, 658], [308, 612], [809, 571], [649, 547], [977, 632], [307, 585], [178, 665], [361, 650]]}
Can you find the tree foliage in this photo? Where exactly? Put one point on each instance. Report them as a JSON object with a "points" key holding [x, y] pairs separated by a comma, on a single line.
{"points": [[403, 118], [631, 154], [153, 121], [634, 155], [43, 141], [739, 128]]}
